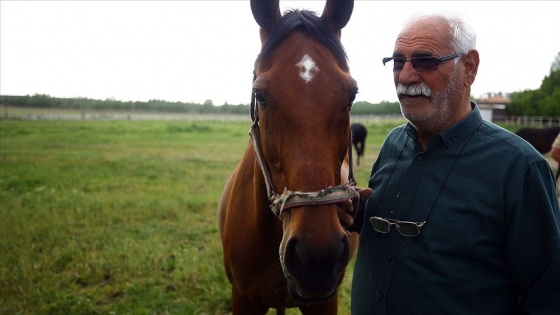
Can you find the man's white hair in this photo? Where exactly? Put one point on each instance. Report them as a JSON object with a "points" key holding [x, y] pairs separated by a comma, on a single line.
{"points": [[462, 34]]}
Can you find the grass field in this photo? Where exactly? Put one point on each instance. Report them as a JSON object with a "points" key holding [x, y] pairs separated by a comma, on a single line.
{"points": [[119, 217]]}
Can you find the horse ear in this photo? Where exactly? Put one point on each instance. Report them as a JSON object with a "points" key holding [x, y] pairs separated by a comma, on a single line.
{"points": [[337, 13], [266, 13]]}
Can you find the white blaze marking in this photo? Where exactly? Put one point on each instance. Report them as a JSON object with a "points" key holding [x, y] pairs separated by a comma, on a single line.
{"points": [[307, 67]]}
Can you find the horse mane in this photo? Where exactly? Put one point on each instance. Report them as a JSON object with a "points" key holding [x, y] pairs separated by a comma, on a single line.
{"points": [[308, 22]]}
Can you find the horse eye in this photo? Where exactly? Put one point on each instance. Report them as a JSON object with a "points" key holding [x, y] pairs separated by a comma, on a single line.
{"points": [[352, 98], [260, 99]]}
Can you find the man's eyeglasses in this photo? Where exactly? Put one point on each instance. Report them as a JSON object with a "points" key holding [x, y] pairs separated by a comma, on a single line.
{"points": [[406, 228], [420, 64]]}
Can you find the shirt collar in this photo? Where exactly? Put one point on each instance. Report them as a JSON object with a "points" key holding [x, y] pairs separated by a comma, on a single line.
{"points": [[463, 128], [457, 132]]}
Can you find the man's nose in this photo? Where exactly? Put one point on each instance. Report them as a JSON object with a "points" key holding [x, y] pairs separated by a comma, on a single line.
{"points": [[408, 75]]}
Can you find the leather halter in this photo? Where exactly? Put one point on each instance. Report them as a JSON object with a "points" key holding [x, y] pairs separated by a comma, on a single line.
{"points": [[291, 199]]}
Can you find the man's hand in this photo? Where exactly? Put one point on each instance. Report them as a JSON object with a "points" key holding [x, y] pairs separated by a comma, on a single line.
{"points": [[346, 211]]}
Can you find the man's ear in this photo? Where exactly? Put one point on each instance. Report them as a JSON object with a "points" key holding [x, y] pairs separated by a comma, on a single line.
{"points": [[471, 66]]}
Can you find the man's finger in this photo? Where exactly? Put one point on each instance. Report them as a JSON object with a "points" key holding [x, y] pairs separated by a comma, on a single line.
{"points": [[364, 193]]}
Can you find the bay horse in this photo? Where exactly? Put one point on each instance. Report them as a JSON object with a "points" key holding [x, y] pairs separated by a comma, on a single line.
{"points": [[359, 134], [289, 249]]}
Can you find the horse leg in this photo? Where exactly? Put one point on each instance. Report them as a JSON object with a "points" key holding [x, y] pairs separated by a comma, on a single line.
{"points": [[360, 149], [363, 147], [357, 154], [241, 305]]}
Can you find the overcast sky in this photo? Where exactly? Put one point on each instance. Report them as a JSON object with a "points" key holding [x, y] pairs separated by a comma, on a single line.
{"points": [[191, 51]]}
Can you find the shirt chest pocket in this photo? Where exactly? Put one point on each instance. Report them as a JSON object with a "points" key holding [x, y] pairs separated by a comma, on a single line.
{"points": [[452, 237]]}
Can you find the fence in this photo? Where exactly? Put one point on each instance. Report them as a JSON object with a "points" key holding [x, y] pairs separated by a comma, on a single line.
{"points": [[534, 121]]}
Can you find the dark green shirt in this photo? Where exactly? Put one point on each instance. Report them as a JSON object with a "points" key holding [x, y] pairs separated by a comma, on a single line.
{"points": [[491, 241]]}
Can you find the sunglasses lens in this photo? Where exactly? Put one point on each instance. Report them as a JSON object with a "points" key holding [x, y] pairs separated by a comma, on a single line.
{"points": [[420, 64], [380, 225], [408, 229], [398, 64], [425, 64]]}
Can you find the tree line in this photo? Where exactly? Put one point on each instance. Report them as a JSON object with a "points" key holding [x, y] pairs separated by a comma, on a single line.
{"points": [[80, 103], [47, 101], [544, 101]]}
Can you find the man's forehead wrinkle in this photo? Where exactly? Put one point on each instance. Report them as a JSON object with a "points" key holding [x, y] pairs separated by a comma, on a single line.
{"points": [[417, 46]]}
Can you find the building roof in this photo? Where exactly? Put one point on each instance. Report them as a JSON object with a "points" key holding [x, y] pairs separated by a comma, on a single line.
{"points": [[497, 99]]}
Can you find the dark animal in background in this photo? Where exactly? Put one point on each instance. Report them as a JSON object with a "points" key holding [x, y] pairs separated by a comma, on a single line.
{"points": [[540, 138], [359, 134]]}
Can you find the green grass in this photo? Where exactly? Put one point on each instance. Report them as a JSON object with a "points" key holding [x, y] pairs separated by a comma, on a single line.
{"points": [[113, 217]]}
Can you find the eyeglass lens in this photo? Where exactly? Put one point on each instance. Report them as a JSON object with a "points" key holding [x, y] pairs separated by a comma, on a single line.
{"points": [[380, 225], [420, 64], [404, 228], [408, 229]]}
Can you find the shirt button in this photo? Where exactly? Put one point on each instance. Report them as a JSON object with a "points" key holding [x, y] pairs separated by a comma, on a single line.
{"points": [[420, 157], [389, 258], [450, 141], [379, 295]]}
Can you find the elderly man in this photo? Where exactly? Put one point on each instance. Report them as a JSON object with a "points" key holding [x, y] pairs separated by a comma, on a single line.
{"points": [[463, 218]]}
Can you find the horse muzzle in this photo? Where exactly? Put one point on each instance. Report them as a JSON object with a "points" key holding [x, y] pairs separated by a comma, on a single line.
{"points": [[314, 272]]}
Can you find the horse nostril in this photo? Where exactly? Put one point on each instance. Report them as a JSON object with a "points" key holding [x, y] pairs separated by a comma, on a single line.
{"points": [[296, 258], [344, 257]]}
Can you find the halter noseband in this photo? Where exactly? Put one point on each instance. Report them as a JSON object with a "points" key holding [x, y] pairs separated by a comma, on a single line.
{"points": [[290, 199]]}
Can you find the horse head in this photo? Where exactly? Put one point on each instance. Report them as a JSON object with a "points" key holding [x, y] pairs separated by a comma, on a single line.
{"points": [[302, 96]]}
